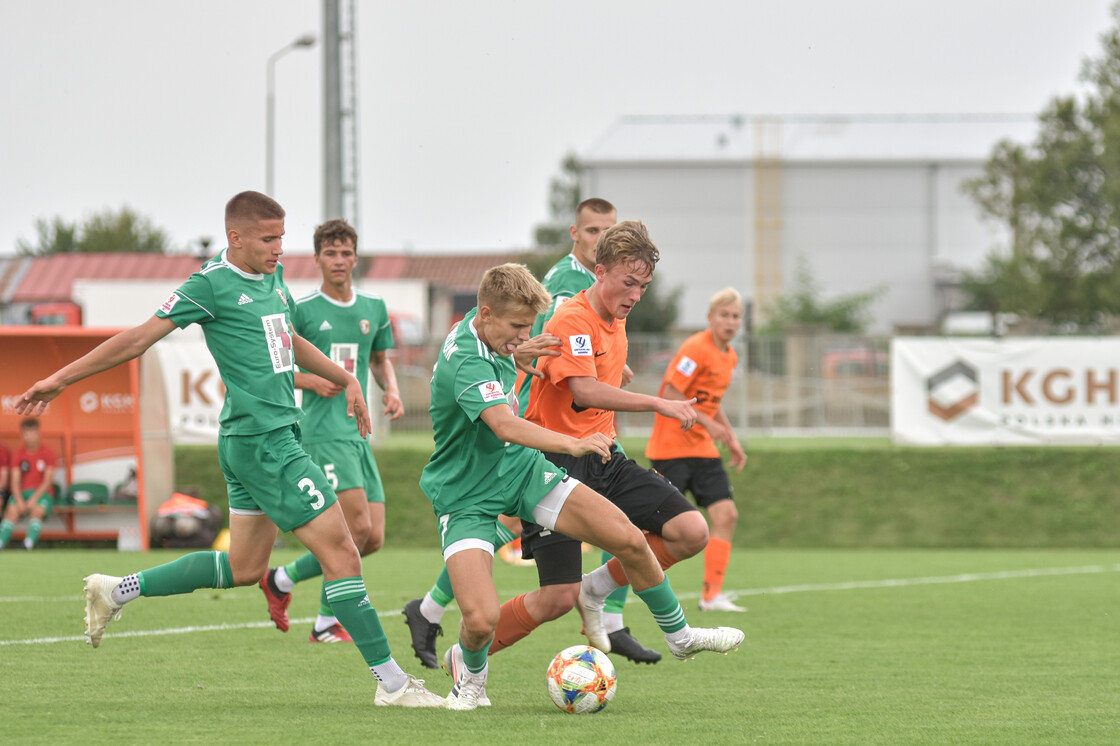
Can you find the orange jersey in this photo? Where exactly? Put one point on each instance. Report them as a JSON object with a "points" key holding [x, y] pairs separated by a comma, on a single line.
{"points": [[589, 347], [701, 370]]}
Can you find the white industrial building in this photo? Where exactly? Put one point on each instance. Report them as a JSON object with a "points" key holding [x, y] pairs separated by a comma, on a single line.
{"points": [[864, 201]]}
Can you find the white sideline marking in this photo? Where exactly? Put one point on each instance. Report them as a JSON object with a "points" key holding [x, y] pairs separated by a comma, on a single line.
{"points": [[970, 577]]}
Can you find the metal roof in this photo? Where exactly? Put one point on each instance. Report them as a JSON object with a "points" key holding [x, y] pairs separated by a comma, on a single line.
{"points": [[51, 278], [741, 139], [459, 272]]}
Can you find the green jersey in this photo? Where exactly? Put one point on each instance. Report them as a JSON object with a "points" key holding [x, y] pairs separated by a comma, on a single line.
{"points": [[470, 464], [245, 318], [564, 281], [347, 333]]}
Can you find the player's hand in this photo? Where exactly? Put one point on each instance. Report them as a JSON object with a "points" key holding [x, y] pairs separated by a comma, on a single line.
{"points": [[738, 455], [394, 407], [356, 407], [627, 375], [325, 388], [542, 345], [34, 401], [679, 409], [595, 443]]}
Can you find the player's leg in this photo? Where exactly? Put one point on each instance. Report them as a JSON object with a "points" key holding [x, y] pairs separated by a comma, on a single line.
{"points": [[588, 516], [559, 572], [724, 517], [8, 524], [355, 509], [38, 512]]}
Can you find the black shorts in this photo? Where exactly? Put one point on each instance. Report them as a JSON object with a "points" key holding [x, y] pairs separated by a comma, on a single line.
{"points": [[705, 478], [647, 498]]}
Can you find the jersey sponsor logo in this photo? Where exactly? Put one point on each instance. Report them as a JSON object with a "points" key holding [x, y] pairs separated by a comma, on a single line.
{"points": [[687, 366], [580, 344], [364, 326], [325, 326], [279, 341], [283, 297], [345, 355], [169, 303], [244, 299], [491, 391]]}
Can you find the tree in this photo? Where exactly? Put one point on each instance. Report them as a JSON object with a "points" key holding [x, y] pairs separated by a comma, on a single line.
{"points": [[805, 306], [121, 230], [1058, 196], [563, 197]]}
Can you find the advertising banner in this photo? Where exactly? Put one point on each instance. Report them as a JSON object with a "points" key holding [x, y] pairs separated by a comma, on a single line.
{"points": [[1029, 391]]}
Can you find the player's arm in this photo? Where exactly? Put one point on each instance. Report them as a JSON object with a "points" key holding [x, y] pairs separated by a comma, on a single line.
{"points": [[17, 489], [513, 429], [120, 348], [719, 427], [310, 358], [590, 393], [318, 384], [386, 377]]}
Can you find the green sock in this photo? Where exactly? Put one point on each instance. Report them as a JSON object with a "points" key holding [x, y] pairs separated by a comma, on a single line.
{"points": [[33, 529], [324, 604], [441, 592], [304, 568], [475, 660], [664, 606], [186, 574], [6, 528], [616, 602], [351, 606]]}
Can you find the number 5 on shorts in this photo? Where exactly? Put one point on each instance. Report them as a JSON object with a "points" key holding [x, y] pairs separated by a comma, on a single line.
{"points": [[309, 486]]}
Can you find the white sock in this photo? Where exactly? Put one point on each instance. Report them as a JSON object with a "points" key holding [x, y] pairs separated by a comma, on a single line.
{"points": [[322, 622], [681, 636], [599, 583], [389, 675], [126, 590], [612, 622], [283, 582], [430, 610]]}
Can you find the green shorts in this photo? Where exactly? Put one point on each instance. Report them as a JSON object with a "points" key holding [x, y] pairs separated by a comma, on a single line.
{"points": [[348, 464], [45, 501], [271, 474], [476, 523]]}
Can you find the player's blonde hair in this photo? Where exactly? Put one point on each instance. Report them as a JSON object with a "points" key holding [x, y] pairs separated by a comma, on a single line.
{"points": [[727, 296], [252, 207], [627, 242], [512, 286]]}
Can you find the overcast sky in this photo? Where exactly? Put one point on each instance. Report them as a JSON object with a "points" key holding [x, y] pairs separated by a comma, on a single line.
{"points": [[466, 107]]}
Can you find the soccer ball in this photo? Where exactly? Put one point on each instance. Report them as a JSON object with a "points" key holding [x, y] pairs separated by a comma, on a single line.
{"points": [[581, 679]]}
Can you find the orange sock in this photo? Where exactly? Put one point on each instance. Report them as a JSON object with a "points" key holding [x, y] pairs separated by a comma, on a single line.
{"points": [[716, 557], [514, 624], [657, 544]]}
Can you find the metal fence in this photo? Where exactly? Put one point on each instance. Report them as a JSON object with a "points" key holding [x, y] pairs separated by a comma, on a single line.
{"points": [[810, 383]]}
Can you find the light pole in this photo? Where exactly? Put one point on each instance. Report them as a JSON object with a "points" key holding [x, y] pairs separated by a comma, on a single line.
{"points": [[307, 40]]}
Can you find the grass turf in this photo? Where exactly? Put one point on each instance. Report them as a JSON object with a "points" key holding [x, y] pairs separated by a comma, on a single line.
{"points": [[843, 647]]}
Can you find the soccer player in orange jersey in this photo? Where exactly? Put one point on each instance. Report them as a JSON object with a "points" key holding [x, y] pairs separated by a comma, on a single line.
{"points": [[702, 371]]}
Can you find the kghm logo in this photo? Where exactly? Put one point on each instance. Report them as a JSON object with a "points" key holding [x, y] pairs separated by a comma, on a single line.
{"points": [[953, 391]]}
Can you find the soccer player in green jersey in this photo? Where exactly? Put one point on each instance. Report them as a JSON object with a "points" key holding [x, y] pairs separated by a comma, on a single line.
{"points": [[573, 273], [488, 462], [240, 300], [352, 328]]}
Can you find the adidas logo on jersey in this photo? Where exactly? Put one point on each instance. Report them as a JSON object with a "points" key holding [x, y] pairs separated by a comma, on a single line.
{"points": [[244, 299], [549, 476], [325, 326]]}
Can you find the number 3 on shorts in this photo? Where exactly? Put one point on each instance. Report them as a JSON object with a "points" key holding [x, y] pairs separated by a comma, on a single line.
{"points": [[307, 484]]}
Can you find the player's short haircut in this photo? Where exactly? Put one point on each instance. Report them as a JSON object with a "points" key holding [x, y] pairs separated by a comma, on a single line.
{"points": [[511, 287], [29, 423], [727, 296], [334, 231], [626, 243], [252, 207], [595, 205]]}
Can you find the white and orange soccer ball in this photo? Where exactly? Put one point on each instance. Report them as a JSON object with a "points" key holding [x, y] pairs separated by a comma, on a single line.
{"points": [[581, 679]]}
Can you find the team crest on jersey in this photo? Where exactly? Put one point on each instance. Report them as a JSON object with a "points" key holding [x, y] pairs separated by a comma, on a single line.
{"points": [[580, 344], [169, 303], [364, 326], [687, 366], [282, 297], [491, 391]]}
